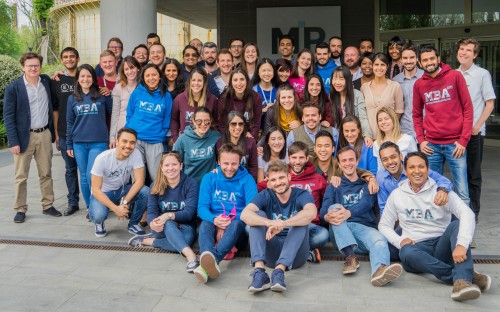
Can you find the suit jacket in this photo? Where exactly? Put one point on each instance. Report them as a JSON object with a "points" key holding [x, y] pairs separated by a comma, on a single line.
{"points": [[17, 114]]}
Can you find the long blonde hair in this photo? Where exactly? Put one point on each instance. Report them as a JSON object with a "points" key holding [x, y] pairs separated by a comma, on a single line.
{"points": [[161, 182], [396, 131]]}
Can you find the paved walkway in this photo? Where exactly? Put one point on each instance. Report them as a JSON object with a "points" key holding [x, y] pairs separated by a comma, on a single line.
{"points": [[60, 279]]}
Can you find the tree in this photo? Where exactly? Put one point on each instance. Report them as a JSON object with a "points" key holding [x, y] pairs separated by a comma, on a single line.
{"points": [[42, 11], [8, 36]]}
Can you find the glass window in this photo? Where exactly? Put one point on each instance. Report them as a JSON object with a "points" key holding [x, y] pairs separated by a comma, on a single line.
{"points": [[484, 11]]}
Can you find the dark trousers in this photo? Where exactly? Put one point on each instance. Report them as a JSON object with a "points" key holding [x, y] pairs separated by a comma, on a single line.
{"points": [[71, 174], [474, 178]]}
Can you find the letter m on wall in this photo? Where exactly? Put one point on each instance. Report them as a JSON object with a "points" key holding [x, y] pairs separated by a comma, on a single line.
{"points": [[277, 33]]}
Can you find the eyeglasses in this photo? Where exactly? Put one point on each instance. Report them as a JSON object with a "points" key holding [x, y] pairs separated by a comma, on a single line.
{"points": [[205, 122], [234, 124], [115, 47], [32, 66], [234, 46], [190, 55]]}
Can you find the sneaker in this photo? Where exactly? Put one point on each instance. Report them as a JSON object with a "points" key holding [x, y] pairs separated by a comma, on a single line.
{"points": [[52, 212], [87, 216], [260, 281], [209, 264], [482, 281], [100, 230], [231, 254], [351, 265], [314, 256], [278, 280], [201, 274], [20, 217], [192, 265], [136, 229], [137, 240], [386, 274], [464, 290]]}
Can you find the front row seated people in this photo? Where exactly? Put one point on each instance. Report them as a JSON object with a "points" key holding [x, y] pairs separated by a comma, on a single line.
{"points": [[278, 218], [348, 209], [430, 241], [223, 195], [111, 189], [172, 211]]}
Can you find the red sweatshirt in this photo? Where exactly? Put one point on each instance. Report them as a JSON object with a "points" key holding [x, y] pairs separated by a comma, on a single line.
{"points": [[447, 105], [307, 180]]}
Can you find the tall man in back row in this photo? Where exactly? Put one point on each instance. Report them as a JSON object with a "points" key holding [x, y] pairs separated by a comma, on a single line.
{"points": [[445, 130]]}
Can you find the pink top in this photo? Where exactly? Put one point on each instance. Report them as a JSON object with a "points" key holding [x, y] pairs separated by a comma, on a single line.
{"points": [[298, 83]]}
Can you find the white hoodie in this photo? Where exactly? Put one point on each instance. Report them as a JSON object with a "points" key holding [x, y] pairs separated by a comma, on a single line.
{"points": [[420, 218]]}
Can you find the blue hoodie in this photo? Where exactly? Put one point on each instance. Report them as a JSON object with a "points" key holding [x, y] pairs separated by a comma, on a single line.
{"points": [[149, 114], [86, 120], [355, 197], [366, 159], [219, 194], [197, 153], [326, 73], [182, 200]]}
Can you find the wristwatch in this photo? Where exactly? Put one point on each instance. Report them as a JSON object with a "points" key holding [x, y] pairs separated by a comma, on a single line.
{"points": [[125, 202], [444, 189]]}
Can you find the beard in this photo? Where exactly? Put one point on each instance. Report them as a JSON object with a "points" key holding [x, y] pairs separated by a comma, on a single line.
{"points": [[284, 191]]}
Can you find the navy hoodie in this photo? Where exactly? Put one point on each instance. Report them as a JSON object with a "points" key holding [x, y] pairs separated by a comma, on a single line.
{"points": [[182, 200], [355, 197]]}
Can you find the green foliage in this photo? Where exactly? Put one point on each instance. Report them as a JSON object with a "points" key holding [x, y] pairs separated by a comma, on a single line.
{"points": [[10, 69], [42, 8], [3, 135], [8, 37]]}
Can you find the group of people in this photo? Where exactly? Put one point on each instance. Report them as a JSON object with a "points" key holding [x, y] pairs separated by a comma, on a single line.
{"points": [[338, 145]]}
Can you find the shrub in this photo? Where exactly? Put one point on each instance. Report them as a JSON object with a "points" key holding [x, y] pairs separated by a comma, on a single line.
{"points": [[10, 70]]}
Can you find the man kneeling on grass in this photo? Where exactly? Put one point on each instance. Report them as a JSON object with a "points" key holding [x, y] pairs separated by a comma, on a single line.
{"points": [[278, 218]]}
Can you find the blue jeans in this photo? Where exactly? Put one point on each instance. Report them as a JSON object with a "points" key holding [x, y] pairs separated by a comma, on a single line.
{"points": [[364, 239], [291, 250], [434, 256], [85, 155], [206, 238], [71, 175], [99, 213], [318, 236], [458, 167], [175, 237]]}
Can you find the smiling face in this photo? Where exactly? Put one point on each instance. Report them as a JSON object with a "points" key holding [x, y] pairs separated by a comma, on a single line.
{"points": [[229, 164], [298, 162], [171, 72], [32, 68], [351, 57], [367, 67], [69, 60], [266, 72], [116, 47], [236, 127], [201, 123], [210, 55], [348, 163], [384, 122], [250, 55], [171, 168], [85, 80], [314, 87], [417, 171], [392, 161], [108, 64], [283, 74], [276, 142], [225, 62], [409, 59], [395, 52], [322, 56], [196, 83], [286, 47], [125, 145], [236, 48], [287, 99], [131, 72], [351, 132], [151, 78], [190, 57], [338, 82], [429, 62], [466, 55], [323, 147], [141, 55], [239, 84], [379, 68], [304, 61], [278, 181], [156, 54], [311, 118]]}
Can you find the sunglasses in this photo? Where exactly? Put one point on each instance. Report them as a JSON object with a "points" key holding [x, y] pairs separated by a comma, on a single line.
{"points": [[232, 214], [205, 122], [234, 124]]}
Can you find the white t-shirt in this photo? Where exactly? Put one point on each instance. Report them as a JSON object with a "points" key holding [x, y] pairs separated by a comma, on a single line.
{"points": [[116, 173], [262, 164]]}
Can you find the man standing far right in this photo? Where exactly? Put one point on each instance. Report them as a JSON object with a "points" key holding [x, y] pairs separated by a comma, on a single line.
{"points": [[483, 99], [445, 130]]}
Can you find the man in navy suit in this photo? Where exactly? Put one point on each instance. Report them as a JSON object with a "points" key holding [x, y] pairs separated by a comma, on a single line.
{"points": [[28, 120]]}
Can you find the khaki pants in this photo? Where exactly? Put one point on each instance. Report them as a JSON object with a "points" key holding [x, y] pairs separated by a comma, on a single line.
{"points": [[40, 147]]}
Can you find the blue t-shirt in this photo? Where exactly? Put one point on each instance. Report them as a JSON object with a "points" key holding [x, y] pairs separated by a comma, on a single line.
{"points": [[268, 202]]}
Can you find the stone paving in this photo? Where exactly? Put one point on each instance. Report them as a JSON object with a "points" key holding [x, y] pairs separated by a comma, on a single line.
{"points": [[62, 279]]}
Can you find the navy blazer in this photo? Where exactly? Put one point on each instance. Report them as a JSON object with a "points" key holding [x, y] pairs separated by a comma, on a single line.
{"points": [[17, 114]]}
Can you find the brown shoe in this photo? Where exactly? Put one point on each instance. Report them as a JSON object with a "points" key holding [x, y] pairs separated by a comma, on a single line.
{"points": [[386, 274], [482, 281], [464, 290], [351, 264]]}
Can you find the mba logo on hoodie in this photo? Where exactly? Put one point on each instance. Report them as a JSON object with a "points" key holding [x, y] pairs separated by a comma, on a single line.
{"points": [[202, 153], [189, 117], [88, 109], [352, 199], [416, 214], [149, 107], [437, 96], [172, 206], [226, 196]]}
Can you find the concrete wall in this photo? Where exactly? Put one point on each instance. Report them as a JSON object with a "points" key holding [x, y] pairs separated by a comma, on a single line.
{"points": [[237, 18]]}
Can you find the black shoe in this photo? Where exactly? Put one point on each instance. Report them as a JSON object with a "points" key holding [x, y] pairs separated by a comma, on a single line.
{"points": [[87, 216], [143, 224], [20, 217], [52, 212], [70, 210]]}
